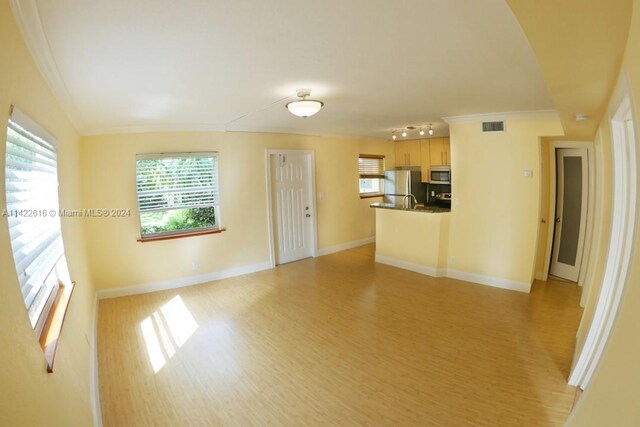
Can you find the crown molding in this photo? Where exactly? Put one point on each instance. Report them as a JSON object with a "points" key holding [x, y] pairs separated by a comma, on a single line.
{"points": [[293, 131], [510, 115], [203, 127], [195, 127], [28, 20]]}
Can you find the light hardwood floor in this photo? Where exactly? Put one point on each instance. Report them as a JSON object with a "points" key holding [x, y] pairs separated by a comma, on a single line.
{"points": [[338, 340]]}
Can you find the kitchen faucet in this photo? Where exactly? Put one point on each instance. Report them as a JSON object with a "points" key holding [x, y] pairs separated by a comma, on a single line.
{"points": [[404, 199]]}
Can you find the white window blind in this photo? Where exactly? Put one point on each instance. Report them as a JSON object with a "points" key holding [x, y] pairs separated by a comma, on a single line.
{"points": [[371, 166], [371, 171], [32, 210], [185, 183]]}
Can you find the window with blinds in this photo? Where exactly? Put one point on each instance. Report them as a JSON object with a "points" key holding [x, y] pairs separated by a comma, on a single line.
{"points": [[31, 180], [371, 170], [177, 192]]}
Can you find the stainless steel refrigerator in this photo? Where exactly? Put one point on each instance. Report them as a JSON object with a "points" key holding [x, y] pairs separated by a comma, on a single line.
{"points": [[399, 183]]}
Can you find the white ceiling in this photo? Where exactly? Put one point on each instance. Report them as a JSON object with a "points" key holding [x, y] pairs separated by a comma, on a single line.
{"points": [[201, 64]]}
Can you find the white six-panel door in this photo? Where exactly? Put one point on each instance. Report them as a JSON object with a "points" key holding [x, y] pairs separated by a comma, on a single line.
{"points": [[291, 205]]}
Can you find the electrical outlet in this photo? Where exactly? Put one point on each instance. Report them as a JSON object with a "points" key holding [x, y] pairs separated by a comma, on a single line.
{"points": [[453, 260], [195, 265]]}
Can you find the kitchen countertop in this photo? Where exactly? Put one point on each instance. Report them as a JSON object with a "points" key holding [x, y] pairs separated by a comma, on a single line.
{"points": [[425, 209]]}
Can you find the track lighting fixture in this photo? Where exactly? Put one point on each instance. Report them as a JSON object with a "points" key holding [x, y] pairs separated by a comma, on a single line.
{"points": [[412, 131]]}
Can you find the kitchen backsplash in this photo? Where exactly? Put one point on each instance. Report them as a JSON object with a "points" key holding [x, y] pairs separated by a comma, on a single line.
{"points": [[436, 189]]}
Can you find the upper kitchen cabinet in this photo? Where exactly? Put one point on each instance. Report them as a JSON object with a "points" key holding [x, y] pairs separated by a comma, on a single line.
{"points": [[439, 151], [446, 147], [407, 153], [425, 159]]}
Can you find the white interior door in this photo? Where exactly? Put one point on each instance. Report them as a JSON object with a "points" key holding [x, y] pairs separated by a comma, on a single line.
{"points": [[291, 204], [571, 212]]}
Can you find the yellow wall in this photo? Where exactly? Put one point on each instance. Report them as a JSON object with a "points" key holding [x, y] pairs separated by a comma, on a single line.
{"points": [[601, 231], [494, 228], [118, 260], [419, 238], [612, 396], [28, 395]]}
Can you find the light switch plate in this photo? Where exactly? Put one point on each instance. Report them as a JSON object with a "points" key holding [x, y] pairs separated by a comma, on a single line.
{"points": [[527, 173]]}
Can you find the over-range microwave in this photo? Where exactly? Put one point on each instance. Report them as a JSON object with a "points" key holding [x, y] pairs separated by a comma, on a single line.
{"points": [[440, 175]]}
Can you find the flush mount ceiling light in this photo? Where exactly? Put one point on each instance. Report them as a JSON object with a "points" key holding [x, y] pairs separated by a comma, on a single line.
{"points": [[304, 107]]}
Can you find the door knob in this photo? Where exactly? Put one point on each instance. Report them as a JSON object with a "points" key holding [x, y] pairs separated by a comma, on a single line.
{"points": [[308, 215], [558, 220]]}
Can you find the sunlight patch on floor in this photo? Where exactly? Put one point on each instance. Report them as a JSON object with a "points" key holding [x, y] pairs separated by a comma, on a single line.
{"points": [[166, 330]]}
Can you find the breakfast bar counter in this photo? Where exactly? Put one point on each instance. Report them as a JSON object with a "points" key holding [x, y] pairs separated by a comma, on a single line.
{"points": [[407, 239]]}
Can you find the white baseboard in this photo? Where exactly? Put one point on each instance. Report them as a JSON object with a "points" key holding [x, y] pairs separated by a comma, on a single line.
{"points": [[182, 281], [496, 282], [217, 275], [94, 389], [344, 246], [418, 268]]}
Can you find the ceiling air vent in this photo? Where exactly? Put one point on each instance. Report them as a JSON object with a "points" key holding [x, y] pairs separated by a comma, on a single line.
{"points": [[492, 126]]}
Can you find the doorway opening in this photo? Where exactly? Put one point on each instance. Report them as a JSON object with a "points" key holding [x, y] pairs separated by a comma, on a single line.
{"points": [[568, 248], [572, 194], [623, 223], [291, 209]]}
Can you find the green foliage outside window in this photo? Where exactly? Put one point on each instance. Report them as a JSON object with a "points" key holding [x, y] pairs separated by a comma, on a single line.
{"points": [[177, 219], [166, 188]]}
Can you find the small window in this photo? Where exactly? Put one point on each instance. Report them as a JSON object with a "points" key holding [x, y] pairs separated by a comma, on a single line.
{"points": [[177, 194], [32, 212], [371, 170]]}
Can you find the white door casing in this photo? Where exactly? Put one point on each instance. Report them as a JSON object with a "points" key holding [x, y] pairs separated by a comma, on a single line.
{"points": [[292, 207], [571, 212], [623, 223]]}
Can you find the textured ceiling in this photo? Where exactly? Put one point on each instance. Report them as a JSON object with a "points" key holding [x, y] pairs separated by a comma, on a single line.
{"points": [[211, 64]]}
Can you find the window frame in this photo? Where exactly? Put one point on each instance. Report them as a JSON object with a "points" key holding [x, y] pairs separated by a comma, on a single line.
{"points": [[48, 319], [380, 176], [188, 232]]}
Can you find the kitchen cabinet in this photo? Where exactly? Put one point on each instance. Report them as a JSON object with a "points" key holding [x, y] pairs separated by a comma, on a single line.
{"points": [[425, 159], [407, 153], [446, 147], [440, 152]]}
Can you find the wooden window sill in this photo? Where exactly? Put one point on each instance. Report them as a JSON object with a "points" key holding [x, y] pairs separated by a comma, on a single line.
{"points": [[53, 325], [180, 235], [370, 195]]}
